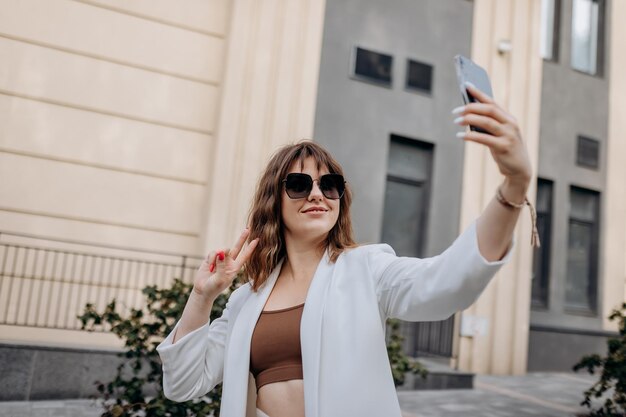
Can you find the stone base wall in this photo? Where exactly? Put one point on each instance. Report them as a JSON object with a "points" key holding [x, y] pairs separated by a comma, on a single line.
{"points": [[559, 350], [44, 373]]}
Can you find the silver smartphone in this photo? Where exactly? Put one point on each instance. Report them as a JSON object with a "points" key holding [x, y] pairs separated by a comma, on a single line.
{"points": [[468, 70]]}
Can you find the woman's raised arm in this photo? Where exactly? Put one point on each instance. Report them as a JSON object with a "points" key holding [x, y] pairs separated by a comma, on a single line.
{"points": [[193, 353], [496, 224]]}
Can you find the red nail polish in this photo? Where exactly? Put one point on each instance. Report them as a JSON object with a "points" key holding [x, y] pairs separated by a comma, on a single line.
{"points": [[221, 256], [212, 268]]}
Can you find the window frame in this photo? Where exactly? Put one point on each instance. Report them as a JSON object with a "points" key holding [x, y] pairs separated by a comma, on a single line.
{"points": [[600, 40], [593, 273], [412, 89], [363, 78], [580, 162], [556, 32]]}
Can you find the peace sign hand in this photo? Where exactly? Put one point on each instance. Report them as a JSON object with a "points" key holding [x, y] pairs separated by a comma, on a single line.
{"points": [[503, 136], [219, 268]]}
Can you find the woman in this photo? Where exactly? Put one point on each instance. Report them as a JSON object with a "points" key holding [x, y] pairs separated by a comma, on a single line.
{"points": [[305, 334]]}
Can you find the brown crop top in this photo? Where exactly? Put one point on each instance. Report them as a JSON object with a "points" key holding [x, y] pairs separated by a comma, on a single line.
{"points": [[275, 353]]}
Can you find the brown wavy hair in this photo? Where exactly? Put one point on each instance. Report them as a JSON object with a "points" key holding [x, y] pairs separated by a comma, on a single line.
{"points": [[265, 217]]}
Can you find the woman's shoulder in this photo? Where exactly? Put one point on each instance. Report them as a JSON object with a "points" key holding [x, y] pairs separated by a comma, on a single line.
{"points": [[375, 258], [366, 248]]}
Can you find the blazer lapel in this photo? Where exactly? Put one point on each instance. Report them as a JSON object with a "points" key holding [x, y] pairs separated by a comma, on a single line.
{"points": [[237, 358], [311, 334]]}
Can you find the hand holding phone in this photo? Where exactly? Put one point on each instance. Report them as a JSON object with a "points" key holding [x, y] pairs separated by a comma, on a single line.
{"points": [[468, 71], [490, 124]]}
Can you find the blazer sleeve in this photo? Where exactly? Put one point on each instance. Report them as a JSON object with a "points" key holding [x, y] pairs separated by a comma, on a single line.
{"points": [[194, 365], [429, 289]]}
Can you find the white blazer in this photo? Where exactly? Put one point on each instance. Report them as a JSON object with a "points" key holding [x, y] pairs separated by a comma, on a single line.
{"points": [[344, 356]]}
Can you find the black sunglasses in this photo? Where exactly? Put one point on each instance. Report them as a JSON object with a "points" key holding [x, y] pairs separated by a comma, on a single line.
{"points": [[300, 185]]}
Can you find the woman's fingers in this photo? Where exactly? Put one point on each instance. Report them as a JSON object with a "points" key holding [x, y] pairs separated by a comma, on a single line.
{"points": [[484, 109], [478, 94], [509, 153], [487, 123], [220, 259], [225, 260], [502, 137], [494, 143], [248, 251], [209, 261], [234, 252]]}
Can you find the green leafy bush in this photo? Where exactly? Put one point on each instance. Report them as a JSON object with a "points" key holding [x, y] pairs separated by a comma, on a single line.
{"points": [[612, 370], [143, 330], [400, 363]]}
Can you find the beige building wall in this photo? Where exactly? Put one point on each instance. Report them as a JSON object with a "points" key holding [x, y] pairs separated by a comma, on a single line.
{"points": [[268, 100], [141, 124], [113, 106], [500, 343], [108, 112]]}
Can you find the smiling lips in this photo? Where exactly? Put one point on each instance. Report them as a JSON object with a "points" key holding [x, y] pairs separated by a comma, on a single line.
{"points": [[315, 209]]}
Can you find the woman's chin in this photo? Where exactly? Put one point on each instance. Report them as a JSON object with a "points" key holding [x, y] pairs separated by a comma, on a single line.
{"points": [[311, 232]]}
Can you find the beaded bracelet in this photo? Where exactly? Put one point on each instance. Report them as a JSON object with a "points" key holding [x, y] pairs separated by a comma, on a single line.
{"points": [[534, 239]]}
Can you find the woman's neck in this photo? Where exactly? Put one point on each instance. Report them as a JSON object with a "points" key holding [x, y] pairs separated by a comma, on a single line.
{"points": [[302, 258]]}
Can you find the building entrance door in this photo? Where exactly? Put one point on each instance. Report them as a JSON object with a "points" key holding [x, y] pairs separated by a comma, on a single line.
{"points": [[404, 228]]}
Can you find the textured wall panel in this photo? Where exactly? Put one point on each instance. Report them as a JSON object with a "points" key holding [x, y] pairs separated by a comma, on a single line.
{"points": [[69, 134], [268, 99], [79, 192], [110, 35], [202, 15], [91, 84]]}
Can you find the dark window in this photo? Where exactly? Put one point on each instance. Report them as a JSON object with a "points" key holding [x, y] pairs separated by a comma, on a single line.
{"points": [[587, 35], [550, 23], [582, 254], [587, 152], [541, 256], [373, 66], [419, 76], [407, 195]]}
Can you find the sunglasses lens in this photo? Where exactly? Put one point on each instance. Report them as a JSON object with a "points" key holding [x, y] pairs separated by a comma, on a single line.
{"points": [[298, 185], [332, 186]]}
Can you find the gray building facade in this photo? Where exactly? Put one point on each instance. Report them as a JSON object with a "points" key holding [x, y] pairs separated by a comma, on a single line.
{"points": [[406, 177], [566, 320], [408, 153]]}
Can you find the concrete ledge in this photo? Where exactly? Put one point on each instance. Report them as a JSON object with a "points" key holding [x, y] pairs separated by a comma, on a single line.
{"points": [[559, 349], [55, 373], [47, 373], [440, 376]]}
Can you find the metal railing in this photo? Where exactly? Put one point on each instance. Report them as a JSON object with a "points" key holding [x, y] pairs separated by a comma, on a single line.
{"points": [[48, 287], [429, 337], [435, 337]]}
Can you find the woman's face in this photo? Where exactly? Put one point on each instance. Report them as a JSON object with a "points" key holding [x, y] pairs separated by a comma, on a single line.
{"points": [[301, 222]]}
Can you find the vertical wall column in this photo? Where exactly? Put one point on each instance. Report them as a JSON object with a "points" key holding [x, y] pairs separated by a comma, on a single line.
{"points": [[613, 292], [501, 346], [267, 99]]}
